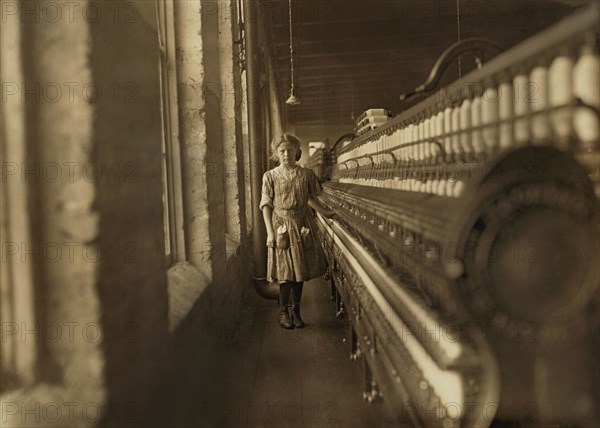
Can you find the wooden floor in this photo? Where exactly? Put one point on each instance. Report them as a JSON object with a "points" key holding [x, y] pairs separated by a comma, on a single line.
{"points": [[270, 377]]}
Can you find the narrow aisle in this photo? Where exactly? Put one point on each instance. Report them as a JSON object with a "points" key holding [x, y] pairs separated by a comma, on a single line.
{"points": [[305, 376], [270, 377]]}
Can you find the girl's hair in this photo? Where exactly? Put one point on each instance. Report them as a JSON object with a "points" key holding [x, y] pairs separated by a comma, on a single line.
{"points": [[285, 138]]}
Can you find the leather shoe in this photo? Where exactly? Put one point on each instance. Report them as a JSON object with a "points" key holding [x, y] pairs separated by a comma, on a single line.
{"points": [[284, 319], [296, 319]]}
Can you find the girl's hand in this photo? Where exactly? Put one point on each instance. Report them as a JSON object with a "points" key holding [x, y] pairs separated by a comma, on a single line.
{"points": [[270, 240]]}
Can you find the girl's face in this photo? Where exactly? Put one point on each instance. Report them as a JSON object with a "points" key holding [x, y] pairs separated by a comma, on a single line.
{"points": [[286, 153]]}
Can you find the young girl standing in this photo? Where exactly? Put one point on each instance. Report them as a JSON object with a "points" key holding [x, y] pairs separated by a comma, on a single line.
{"points": [[295, 254]]}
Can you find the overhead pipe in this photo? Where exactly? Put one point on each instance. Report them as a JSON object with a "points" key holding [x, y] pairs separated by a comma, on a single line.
{"points": [[256, 137]]}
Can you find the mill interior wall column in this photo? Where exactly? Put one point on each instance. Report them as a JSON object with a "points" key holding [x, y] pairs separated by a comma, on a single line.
{"points": [[193, 134], [49, 134], [233, 152], [257, 144], [236, 238], [16, 280], [60, 133], [274, 94], [222, 162], [128, 143]]}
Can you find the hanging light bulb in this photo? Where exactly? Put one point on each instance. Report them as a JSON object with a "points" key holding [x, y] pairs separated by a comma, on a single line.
{"points": [[293, 100]]}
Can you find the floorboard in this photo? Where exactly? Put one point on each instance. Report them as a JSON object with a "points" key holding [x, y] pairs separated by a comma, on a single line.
{"points": [[270, 377]]}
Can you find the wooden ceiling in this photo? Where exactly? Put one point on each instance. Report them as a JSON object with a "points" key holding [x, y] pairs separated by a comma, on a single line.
{"points": [[352, 55]]}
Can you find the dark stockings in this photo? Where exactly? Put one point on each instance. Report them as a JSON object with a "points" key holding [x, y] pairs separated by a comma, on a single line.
{"points": [[295, 289], [284, 296], [296, 297], [285, 289], [290, 288], [297, 292]]}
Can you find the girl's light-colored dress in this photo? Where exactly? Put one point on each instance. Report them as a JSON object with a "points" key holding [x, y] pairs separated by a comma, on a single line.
{"points": [[297, 256]]}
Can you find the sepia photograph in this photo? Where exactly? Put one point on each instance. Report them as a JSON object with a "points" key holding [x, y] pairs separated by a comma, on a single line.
{"points": [[299, 213]]}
